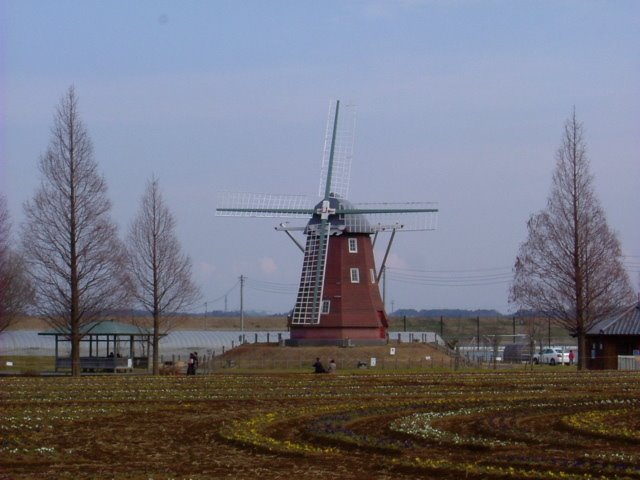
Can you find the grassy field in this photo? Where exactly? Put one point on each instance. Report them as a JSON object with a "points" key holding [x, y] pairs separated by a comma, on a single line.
{"points": [[26, 365], [549, 423], [274, 358], [405, 356]]}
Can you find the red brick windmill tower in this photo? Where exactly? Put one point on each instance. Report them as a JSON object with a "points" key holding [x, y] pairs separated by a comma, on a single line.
{"points": [[338, 298]]}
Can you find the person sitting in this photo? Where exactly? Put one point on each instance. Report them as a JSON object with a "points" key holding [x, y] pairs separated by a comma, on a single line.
{"points": [[332, 366], [317, 366]]}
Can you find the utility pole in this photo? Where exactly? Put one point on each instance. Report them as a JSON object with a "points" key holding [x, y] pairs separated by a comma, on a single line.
{"points": [[384, 287], [242, 306]]}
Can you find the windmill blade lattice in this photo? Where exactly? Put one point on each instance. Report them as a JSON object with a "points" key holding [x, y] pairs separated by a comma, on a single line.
{"points": [[245, 204], [408, 216], [338, 166]]}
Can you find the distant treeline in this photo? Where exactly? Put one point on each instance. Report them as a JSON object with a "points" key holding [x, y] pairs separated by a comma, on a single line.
{"points": [[446, 312], [236, 313], [212, 313], [408, 312], [405, 312]]}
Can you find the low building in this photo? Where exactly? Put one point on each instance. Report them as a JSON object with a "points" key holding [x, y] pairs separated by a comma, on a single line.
{"points": [[614, 336], [104, 345]]}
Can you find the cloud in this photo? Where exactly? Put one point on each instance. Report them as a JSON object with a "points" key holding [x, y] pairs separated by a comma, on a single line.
{"points": [[268, 265], [396, 261], [205, 269]]}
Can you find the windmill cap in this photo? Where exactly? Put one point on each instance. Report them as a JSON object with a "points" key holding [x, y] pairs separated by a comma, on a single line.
{"points": [[352, 222]]}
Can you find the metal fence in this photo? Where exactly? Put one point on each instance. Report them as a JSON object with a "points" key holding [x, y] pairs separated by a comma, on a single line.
{"points": [[178, 343], [346, 360], [628, 362]]}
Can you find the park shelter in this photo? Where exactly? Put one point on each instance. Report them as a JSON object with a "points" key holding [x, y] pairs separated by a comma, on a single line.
{"points": [[105, 345], [615, 336]]}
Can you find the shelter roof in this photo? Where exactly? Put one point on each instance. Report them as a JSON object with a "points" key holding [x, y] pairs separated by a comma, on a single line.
{"points": [[625, 323], [101, 327]]}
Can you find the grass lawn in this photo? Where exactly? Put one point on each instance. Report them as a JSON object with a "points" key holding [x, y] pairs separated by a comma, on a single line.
{"points": [[23, 364]]}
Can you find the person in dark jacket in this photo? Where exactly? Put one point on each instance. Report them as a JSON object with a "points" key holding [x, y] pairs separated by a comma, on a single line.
{"points": [[191, 365], [317, 366]]}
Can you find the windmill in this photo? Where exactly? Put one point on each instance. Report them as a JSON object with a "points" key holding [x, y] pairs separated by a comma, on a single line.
{"points": [[338, 299]]}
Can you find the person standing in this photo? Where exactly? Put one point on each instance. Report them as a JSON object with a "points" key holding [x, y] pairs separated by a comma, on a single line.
{"points": [[571, 357], [191, 370]]}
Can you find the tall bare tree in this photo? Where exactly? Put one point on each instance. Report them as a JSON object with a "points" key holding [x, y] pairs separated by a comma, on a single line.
{"points": [[160, 273], [15, 289], [570, 267], [75, 257]]}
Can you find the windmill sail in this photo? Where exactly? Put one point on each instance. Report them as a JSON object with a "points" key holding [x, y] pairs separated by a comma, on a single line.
{"points": [[335, 174], [245, 204], [404, 216]]}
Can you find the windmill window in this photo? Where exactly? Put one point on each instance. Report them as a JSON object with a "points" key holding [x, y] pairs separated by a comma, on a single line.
{"points": [[353, 245], [373, 275], [355, 275], [326, 306]]}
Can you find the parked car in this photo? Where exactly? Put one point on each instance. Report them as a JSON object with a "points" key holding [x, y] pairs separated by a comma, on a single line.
{"points": [[517, 352], [551, 356]]}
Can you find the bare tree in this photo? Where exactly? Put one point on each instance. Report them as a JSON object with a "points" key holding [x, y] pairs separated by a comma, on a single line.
{"points": [[534, 328], [161, 274], [570, 267], [75, 257], [15, 289]]}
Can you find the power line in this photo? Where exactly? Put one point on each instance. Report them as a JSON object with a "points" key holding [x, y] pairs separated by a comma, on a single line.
{"points": [[271, 287], [471, 270], [452, 278], [221, 297], [632, 266]]}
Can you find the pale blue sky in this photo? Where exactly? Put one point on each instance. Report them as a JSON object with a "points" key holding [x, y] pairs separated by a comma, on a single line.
{"points": [[460, 102]]}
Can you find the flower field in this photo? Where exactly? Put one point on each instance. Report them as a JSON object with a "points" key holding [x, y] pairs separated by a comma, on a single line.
{"points": [[542, 424]]}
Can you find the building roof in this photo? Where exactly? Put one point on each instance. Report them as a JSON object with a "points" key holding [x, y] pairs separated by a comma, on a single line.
{"points": [[102, 327], [626, 323]]}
